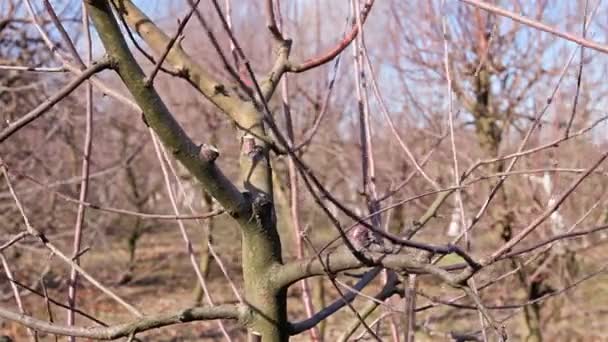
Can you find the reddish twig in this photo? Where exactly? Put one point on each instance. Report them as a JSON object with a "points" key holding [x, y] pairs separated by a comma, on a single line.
{"points": [[336, 50]]}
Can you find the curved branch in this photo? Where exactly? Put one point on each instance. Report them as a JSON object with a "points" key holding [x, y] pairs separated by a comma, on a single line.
{"points": [[336, 50], [309, 323], [228, 311]]}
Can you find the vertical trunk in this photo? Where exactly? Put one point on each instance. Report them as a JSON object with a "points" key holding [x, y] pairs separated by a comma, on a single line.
{"points": [[261, 251], [284, 225], [261, 244], [532, 317], [318, 300], [531, 312], [487, 127], [409, 319], [138, 228], [489, 134], [204, 260]]}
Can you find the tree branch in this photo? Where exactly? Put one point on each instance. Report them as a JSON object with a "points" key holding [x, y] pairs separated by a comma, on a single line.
{"points": [[50, 102], [343, 260], [227, 311], [218, 93], [282, 63], [193, 157], [337, 49], [387, 291], [329, 310], [170, 44], [558, 202], [537, 25]]}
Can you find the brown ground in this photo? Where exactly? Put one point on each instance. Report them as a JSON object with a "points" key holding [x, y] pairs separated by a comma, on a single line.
{"points": [[163, 281]]}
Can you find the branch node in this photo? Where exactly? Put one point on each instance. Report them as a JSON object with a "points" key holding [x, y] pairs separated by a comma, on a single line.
{"points": [[111, 60], [250, 148], [143, 118], [148, 82], [208, 153], [220, 89]]}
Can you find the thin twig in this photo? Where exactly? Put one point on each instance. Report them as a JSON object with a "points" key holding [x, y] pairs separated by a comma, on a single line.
{"points": [[85, 169], [32, 69], [521, 235], [58, 303], [51, 101], [13, 240], [163, 159], [47, 303], [579, 75], [336, 50], [391, 124], [537, 25], [96, 206], [210, 246], [44, 240], [182, 25], [9, 276], [332, 280], [294, 201]]}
